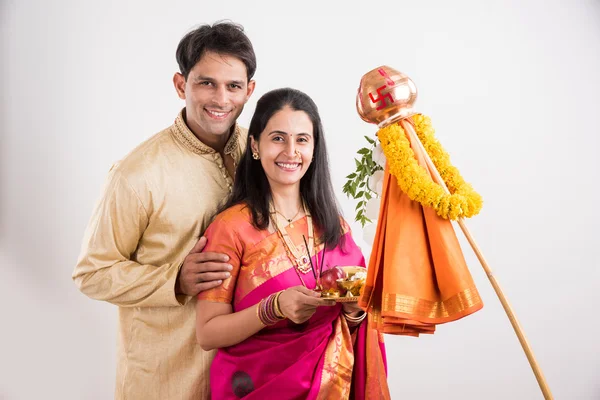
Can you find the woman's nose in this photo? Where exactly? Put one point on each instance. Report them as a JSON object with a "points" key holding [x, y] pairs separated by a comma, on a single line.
{"points": [[290, 149]]}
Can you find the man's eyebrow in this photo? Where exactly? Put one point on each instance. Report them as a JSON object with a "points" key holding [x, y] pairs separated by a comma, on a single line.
{"points": [[209, 79]]}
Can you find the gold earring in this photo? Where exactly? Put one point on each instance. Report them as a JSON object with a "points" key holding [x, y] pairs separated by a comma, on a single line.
{"points": [[255, 155]]}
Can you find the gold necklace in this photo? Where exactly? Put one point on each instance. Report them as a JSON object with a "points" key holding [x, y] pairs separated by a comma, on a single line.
{"points": [[301, 260], [289, 220]]}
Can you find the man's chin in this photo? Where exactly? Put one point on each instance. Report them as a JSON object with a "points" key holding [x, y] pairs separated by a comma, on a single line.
{"points": [[219, 128]]}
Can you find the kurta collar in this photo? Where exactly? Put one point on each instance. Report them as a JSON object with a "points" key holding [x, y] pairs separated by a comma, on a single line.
{"points": [[189, 140]]}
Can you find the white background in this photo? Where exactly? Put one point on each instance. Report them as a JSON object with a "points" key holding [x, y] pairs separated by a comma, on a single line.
{"points": [[512, 88]]}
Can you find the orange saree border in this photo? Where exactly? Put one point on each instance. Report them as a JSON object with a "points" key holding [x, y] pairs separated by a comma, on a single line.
{"points": [[338, 365], [376, 381], [336, 378], [451, 309]]}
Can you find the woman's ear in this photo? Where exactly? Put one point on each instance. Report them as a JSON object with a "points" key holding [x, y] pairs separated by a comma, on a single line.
{"points": [[253, 145]]}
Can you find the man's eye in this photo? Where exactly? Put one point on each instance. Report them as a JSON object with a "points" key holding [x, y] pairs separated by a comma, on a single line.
{"points": [[235, 86]]}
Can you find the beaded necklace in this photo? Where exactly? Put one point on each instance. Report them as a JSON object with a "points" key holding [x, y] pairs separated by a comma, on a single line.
{"points": [[299, 258]]}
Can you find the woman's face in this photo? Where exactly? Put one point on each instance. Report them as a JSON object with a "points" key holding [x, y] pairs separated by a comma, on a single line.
{"points": [[285, 147]]}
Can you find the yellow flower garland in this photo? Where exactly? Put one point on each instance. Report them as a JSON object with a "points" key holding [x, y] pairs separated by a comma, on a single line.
{"points": [[415, 181]]}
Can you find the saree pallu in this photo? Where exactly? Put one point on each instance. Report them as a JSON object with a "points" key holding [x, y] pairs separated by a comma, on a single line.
{"points": [[322, 358], [418, 277]]}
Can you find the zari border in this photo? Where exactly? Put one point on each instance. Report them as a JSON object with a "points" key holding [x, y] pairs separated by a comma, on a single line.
{"points": [[432, 311], [336, 378]]}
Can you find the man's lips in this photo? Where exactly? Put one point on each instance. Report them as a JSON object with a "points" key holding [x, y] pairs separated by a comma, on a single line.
{"points": [[215, 114]]}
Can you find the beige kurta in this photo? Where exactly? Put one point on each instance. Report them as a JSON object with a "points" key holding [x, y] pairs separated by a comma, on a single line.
{"points": [[156, 203]]}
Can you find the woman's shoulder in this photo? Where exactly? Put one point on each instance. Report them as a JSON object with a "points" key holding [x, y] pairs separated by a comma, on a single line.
{"points": [[236, 214], [345, 226], [236, 222]]}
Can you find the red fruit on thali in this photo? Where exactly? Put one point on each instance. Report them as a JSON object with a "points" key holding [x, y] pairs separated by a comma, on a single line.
{"points": [[330, 276]]}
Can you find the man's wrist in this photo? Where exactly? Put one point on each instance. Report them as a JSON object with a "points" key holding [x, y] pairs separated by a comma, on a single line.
{"points": [[178, 288]]}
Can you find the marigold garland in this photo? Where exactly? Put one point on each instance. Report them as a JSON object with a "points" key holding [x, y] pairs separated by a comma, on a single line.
{"points": [[415, 181]]}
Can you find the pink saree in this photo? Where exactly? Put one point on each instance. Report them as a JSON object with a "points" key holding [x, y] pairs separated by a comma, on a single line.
{"points": [[321, 359]]}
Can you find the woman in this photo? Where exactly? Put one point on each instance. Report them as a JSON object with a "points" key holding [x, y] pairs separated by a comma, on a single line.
{"points": [[276, 336]]}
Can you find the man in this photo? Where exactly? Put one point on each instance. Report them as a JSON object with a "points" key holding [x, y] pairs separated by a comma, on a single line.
{"points": [[141, 249]]}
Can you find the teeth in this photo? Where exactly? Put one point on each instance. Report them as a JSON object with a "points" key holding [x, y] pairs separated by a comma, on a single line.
{"points": [[217, 114], [288, 166]]}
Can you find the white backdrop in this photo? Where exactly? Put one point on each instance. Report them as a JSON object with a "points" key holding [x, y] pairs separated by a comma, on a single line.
{"points": [[512, 88]]}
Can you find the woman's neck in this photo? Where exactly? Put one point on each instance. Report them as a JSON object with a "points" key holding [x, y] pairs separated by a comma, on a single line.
{"points": [[287, 200]]}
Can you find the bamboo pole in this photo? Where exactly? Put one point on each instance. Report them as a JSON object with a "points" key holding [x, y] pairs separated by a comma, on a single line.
{"points": [[507, 308]]}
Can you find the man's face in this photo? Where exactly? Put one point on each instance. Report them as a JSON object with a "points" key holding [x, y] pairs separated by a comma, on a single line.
{"points": [[215, 92]]}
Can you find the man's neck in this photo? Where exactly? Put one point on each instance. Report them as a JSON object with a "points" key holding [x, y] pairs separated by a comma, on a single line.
{"points": [[216, 142]]}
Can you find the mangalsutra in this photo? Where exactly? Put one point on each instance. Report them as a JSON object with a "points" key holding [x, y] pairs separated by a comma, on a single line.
{"points": [[300, 259], [289, 220]]}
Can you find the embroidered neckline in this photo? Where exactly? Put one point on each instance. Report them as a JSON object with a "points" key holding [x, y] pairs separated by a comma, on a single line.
{"points": [[189, 140]]}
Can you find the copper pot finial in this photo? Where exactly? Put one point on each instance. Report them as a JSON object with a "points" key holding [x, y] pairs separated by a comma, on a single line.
{"points": [[385, 96]]}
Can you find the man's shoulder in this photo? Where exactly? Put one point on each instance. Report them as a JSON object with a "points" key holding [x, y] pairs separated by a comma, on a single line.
{"points": [[243, 132], [145, 154], [243, 136]]}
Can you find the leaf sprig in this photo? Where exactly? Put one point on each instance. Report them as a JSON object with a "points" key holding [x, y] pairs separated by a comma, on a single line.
{"points": [[357, 186]]}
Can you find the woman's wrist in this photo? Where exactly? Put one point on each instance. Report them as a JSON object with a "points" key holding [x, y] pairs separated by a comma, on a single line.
{"points": [[353, 313], [278, 311], [355, 317], [352, 309], [268, 311]]}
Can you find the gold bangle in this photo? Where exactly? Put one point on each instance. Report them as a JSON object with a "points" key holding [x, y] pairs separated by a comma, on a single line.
{"points": [[258, 312], [358, 319], [276, 303]]}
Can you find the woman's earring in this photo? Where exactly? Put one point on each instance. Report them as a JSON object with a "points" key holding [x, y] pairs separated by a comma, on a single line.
{"points": [[255, 155]]}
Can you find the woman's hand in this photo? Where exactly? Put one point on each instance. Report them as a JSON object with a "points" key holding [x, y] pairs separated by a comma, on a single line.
{"points": [[352, 309], [298, 303]]}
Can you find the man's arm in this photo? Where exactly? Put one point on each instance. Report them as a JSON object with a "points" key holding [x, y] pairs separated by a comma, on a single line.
{"points": [[106, 272]]}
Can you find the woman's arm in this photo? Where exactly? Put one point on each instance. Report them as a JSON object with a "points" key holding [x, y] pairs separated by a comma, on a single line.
{"points": [[217, 326]]}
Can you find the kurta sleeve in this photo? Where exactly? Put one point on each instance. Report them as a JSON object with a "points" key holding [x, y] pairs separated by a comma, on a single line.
{"points": [[105, 271], [222, 237]]}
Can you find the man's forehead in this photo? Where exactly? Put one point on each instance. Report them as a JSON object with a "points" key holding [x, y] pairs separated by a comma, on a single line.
{"points": [[223, 67]]}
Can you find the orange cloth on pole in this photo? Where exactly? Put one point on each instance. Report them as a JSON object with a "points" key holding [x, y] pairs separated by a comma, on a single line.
{"points": [[417, 276]]}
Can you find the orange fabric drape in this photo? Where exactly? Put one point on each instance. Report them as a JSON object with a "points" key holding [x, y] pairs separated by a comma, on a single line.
{"points": [[417, 276]]}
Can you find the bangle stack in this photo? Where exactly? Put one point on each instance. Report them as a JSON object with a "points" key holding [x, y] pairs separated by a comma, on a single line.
{"points": [[353, 321], [268, 310]]}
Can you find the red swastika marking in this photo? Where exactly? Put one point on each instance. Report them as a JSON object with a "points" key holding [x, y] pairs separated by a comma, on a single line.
{"points": [[381, 98]]}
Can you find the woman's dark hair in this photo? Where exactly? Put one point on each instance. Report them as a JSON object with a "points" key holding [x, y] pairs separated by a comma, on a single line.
{"points": [[251, 186], [222, 38]]}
